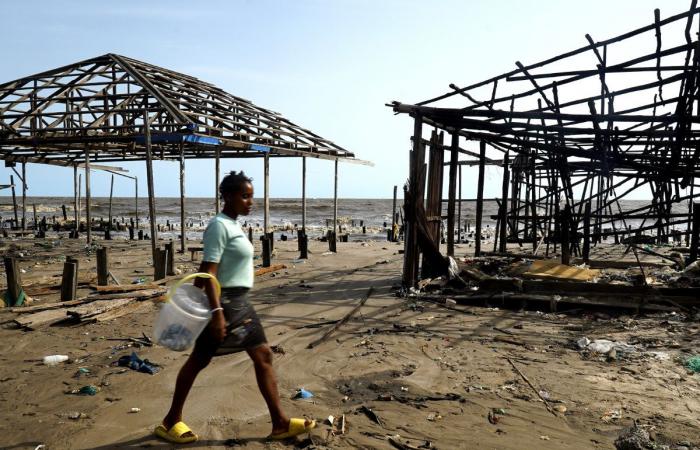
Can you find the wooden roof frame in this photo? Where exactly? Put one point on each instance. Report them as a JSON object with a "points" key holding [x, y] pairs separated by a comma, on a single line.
{"points": [[99, 104]]}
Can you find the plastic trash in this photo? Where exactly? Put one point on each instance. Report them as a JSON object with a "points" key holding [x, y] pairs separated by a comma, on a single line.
{"points": [[302, 394], [693, 364], [86, 390], [185, 314], [53, 360]]}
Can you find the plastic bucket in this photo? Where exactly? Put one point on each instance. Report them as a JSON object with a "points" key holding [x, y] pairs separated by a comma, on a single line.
{"points": [[184, 315]]}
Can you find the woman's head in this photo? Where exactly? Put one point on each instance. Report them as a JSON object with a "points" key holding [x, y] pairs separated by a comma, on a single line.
{"points": [[237, 191]]}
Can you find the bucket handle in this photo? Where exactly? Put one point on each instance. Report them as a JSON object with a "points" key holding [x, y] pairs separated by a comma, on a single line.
{"points": [[191, 276]]}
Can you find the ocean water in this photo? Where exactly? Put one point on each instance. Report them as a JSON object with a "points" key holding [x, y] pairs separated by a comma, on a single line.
{"points": [[285, 213]]}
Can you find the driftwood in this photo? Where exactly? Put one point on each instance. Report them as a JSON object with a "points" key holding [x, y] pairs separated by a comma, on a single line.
{"points": [[532, 386], [33, 321], [143, 294], [124, 288], [272, 268], [96, 308], [344, 319], [82, 308]]}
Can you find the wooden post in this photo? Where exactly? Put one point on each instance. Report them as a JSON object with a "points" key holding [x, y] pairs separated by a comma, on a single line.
{"points": [[503, 213], [159, 264], [34, 214], [76, 187], [303, 194], [411, 251], [451, 194], [88, 218], [394, 238], [587, 233], [69, 281], [565, 227], [14, 281], [433, 199], [479, 199], [111, 192], [183, 225], [695, 238], [533, 201], [266, 200], [303, 244], [136, 201], [14, 200], [170, 261], [266, 250], [24, 196], [217, 170], [335, 200], [151, 193], [459, 204], [332, 242], [102, 267]]}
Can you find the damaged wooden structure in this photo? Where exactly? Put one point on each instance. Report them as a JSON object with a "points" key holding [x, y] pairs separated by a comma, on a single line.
{"points": [[111, 109], [574, 136]]}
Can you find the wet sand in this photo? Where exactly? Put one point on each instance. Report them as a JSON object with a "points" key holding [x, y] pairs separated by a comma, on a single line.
{"points": [[399, 357]]}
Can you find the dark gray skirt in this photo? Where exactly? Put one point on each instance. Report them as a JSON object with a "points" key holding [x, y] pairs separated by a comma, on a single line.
{"points": [[243, 327]]}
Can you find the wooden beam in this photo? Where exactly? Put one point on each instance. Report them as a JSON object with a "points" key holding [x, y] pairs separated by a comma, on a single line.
{"points": [[88, 217], [479, 199], [151, 190]]}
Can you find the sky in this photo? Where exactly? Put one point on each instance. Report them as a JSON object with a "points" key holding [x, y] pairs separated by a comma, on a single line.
{"points": [[329, 66]]}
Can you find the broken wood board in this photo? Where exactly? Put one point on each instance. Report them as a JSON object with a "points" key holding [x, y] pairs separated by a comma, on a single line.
{"points": [[113, 314], [552, 270], [124, 288], [98, 307], [33, 321], [144, 294], [272, 268], [620, 264]]}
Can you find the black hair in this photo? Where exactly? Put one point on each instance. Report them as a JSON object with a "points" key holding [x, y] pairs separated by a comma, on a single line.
{"points": [[233, 182]]}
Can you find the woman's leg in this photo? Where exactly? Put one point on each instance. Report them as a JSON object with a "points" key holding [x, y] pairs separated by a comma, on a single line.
{"points": [[197, 361], [267, 382]]}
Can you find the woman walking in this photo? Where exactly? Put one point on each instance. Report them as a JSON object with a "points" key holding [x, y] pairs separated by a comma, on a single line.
{"points": [[234, 327]]}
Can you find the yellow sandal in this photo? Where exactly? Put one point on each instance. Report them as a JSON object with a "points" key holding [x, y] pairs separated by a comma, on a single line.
{"points": [[296, 427], [176, 433]]}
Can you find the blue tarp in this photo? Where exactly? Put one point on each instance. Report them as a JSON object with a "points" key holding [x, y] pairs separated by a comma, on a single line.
{"points": [[177, 137]]}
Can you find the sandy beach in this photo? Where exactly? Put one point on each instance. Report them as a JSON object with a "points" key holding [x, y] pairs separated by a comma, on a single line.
{"points": [[439, 376]]}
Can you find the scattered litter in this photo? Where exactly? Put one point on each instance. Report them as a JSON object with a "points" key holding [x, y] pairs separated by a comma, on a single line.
{"points": [[75, 415], [693, 364], [544, 437], [371, 414], [86, 390], [434, 417], [634, 437], [404, 389], [302, 393], [560, 408], [135, 363], [604, 346], [277, 349], [134, 410], [53, 360], [326, 253], [330, 420], [611, 415]]}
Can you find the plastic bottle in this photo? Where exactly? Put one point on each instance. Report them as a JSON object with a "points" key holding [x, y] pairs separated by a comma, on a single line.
{"points": [[52, 360]]}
